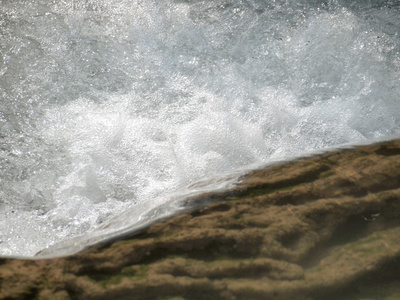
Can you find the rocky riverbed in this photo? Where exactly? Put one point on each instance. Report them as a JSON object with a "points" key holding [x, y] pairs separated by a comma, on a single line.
{"points": [[322, 227]]}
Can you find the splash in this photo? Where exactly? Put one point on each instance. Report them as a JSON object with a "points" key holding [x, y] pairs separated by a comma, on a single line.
{"points": [[109, 107]]}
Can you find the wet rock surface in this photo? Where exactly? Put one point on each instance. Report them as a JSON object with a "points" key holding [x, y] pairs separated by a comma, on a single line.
{"points": [[323, 227]]}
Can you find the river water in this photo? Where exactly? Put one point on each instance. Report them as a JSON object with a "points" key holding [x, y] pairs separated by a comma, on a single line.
{"points": [[107, 108]]}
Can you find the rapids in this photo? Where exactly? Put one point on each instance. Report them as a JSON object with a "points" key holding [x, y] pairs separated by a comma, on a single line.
{"points": [[109, 109]]}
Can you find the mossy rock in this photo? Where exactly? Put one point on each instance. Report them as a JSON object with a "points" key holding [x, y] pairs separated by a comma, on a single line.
{"points": [[322, 227]]}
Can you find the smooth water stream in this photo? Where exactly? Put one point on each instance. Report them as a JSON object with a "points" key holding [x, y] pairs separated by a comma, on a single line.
{"points": [[107, 107]]}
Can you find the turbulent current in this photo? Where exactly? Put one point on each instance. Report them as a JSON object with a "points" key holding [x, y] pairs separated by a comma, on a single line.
{"points": [[109, 109]]}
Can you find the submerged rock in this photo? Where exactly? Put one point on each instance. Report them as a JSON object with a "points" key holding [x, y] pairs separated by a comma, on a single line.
{"points": [[323, 227]]}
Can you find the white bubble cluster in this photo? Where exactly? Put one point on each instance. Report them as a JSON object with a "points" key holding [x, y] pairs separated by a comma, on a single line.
{"points": [[110, 106]]}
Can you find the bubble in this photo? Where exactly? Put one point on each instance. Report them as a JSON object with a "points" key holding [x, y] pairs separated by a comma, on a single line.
{"points": [[110, 107]]}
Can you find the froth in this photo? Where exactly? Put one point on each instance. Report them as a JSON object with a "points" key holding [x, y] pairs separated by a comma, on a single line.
{"points": [[126, 102]]}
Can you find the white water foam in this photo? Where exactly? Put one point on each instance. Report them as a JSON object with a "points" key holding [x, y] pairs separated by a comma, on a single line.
{"points": [[110, 107]]}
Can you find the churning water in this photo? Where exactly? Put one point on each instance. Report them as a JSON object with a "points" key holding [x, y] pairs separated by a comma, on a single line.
{"points": [[107, 107]]}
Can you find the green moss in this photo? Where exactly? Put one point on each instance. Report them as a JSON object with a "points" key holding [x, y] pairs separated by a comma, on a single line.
{"points": [[327, 174], [113, 280], [305, 163], [275, 187], [290, 187], [128, 271], [134, 273], [395, 296], [383, 291], [248, 291], [258, 191], [90, 279], [119, 243], [141, 273], [370, 244], [221, 258]]}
